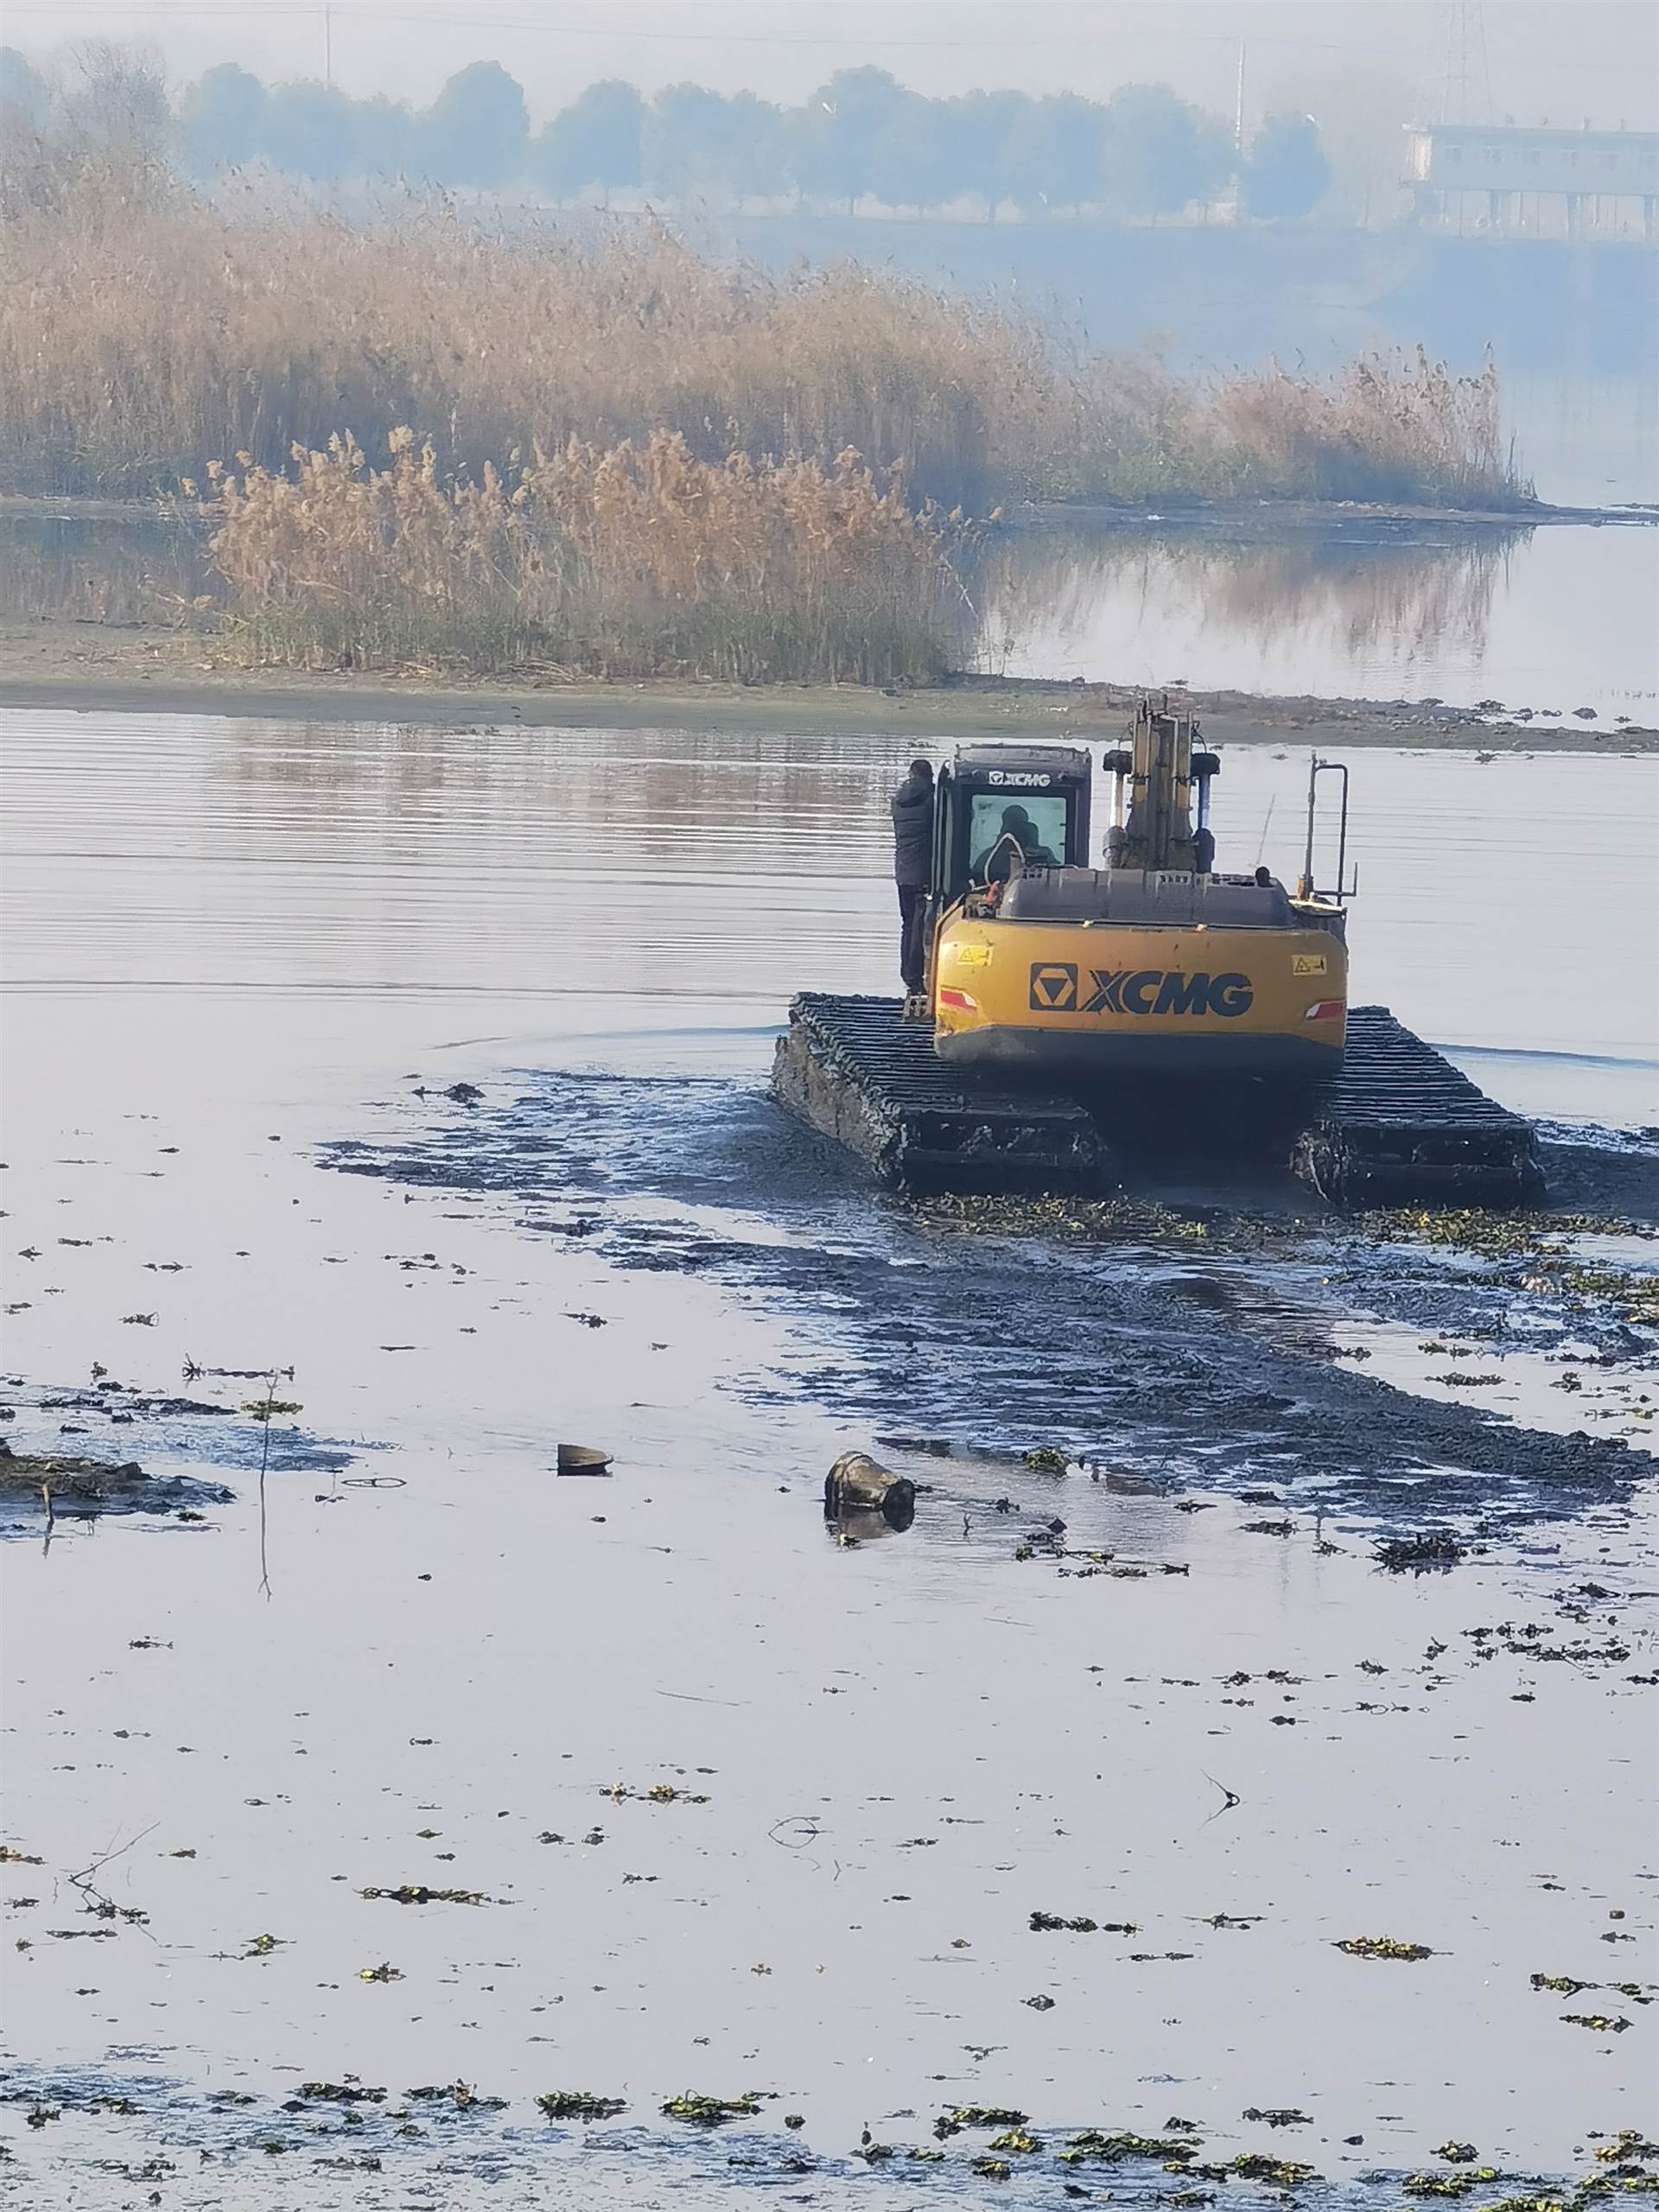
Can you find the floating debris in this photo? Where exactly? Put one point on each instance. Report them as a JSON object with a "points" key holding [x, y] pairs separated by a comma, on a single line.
{"points": [[660, 1793], [1382, 1947], [580, 2104], [1260, 2165], [960, 2116], [1280, 2116], [1432, 1548], [417, 1893], [582, 1459], [857, 1484], [1090, 2145], [712, 2112]]}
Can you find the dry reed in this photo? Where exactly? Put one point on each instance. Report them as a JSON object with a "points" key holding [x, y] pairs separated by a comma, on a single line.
{"points": [[144, 330], [628, 562]]}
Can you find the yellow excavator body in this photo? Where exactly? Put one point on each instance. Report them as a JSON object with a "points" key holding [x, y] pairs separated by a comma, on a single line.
{"points": [[1153, 964], [1078, 998]]}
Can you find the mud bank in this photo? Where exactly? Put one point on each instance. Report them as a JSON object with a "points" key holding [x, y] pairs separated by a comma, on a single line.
{"points": [[94, 667]]}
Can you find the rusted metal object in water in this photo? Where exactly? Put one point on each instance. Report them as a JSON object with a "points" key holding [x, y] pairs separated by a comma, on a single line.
{"points": [[584, 1459], [857, 1484]]}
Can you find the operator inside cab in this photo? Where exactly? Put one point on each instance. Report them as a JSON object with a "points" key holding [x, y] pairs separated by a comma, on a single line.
{"points": [[1016, 839]]}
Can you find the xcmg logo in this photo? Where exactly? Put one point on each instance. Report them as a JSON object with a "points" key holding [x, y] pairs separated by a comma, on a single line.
{"points": [[1055, 990]]}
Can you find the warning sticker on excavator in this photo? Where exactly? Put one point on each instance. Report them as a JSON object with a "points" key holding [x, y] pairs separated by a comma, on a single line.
{"points": [[1054, 986], [1307, 963]]}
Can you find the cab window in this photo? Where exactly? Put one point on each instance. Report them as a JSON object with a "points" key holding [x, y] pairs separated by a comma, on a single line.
{"points": [[998, 823]]}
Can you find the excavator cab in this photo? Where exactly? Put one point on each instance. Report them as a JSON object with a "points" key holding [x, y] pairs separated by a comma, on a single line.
{"points": [[998, 809]]}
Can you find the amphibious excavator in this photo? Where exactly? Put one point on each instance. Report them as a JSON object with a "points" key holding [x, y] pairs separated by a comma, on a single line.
{"points": [[1077, 1015]]}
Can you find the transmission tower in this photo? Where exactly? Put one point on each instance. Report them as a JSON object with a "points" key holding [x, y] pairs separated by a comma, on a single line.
{"points": [[1466, 80]]}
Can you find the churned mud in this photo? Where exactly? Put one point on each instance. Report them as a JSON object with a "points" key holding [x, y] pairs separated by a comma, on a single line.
{"points": [[1203, 1339]]}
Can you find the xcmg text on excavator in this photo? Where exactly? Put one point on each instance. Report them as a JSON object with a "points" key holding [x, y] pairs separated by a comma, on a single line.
{"points": [[1075, 1014]]}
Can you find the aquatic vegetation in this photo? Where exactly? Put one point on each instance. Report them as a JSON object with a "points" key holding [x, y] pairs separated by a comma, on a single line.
{"points": [[994, 2169], [712, 2112], [660, 1793], [1629, 2146], [461, 2094], [384, 1972], [1046, 1923], [1458, 2183], [417, 1893], [1603, 2023], [1278, 2116], [581, 2104], [1457, 2154], [1430, 1547], [1016, 2139], [348, 2092], [1047, 1459], [625, 561], [1382, 1947], [961, 2116], [1260, 2165], [1090, 2145]]}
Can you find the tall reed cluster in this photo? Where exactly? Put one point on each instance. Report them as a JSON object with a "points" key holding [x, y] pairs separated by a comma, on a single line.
{"points": [[144, 330], [625, 561]]}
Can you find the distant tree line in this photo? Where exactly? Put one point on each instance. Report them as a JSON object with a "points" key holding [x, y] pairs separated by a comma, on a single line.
{"points": [[1142, 153]]}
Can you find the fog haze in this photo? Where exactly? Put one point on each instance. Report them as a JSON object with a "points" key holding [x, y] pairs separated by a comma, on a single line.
{"points": [[1596, 60]]}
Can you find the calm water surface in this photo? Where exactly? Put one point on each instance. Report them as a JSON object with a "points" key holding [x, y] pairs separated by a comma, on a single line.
{"points": [[1505, 909]]}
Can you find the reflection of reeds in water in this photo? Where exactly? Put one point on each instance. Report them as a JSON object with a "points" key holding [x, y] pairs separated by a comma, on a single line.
{"points": [[1412, 601], [637, 561], [61, 569]]}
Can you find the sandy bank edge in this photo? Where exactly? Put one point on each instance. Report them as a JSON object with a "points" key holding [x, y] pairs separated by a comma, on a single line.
{"points": [[90, 668]]}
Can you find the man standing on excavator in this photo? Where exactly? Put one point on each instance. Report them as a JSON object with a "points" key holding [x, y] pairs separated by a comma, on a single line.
{"points": [[912, 854]]}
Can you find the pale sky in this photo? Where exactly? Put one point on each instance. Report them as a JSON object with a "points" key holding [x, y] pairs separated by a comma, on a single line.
{"points": [[1563, 60]]}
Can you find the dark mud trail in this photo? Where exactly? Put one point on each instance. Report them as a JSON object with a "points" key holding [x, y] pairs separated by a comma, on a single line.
{"points": [[1205, 1372]]}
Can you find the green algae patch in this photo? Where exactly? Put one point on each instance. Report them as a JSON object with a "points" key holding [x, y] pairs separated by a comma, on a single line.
{"points": [[580, 2104], [1382, 1947], [1261, 2165], [417, 1893], [1090, 2145], [961, 2116], [712, 2112]]}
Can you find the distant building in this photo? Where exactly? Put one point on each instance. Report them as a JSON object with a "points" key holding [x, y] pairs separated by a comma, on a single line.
{"points": [[1544, 183]]}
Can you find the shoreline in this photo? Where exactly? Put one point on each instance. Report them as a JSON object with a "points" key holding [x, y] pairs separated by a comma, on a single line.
{"points": [[1178, 510], [93, 667]]}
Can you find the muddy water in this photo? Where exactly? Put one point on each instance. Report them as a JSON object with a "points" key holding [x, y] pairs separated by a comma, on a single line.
{"points": [[412, 1652]]}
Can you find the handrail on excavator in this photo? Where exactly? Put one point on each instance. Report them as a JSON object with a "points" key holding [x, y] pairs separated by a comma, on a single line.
{"points": [[1306, 888]]}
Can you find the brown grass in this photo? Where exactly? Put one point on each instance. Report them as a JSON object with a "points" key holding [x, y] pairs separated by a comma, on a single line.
{"points": [[144, 331], [633, 561]]}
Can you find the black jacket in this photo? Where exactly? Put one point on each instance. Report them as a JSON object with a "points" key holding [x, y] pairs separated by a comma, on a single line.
{"points": [[912, 833]]}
